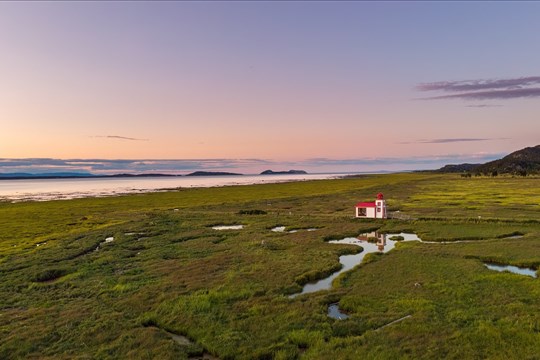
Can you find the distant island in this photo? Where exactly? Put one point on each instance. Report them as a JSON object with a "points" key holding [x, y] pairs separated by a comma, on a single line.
{"points": [[211, 173], [290, 172], [522, 162]]}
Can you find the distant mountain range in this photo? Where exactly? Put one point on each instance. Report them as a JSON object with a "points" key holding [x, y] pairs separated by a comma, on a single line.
{"points": [[53, 175], [85, 175], [521, 162], [70, 175]]}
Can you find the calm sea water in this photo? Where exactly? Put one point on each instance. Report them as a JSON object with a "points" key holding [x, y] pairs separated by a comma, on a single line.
{"points": [[55, 189]]}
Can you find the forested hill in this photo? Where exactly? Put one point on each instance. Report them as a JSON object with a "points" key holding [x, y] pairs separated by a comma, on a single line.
{"points": [[525, 160], [521, 162]]}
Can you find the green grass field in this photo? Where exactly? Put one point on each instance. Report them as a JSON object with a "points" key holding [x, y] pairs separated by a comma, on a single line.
{"points": [[167, 270]]}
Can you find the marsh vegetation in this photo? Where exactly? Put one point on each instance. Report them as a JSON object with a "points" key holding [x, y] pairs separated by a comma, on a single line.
{"points": [[168, 272]]}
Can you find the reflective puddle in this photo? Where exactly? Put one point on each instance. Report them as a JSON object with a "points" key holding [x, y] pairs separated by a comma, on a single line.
{"points": [[181, 340], [335, 313], [513, 269], [228, 227], [107, 240], [184, 341], [282, 229]]}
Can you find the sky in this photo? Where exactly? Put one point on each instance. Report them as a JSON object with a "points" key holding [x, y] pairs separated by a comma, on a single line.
{"points": [[246, 86]]}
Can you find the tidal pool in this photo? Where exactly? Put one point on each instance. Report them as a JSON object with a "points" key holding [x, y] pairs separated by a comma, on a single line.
{"points": [[297, 230], [513, 269], [107, 240], [184, 341], [513, 237], [228, 227], [180, 339], [282, 229], [335, 313]]}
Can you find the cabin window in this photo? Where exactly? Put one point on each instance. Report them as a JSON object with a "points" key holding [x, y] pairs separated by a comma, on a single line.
{"points": [[378, 209], [362, 212]]}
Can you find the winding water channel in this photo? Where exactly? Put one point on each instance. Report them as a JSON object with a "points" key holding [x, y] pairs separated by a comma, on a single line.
{"points": [[372, 243], [383, 244]]}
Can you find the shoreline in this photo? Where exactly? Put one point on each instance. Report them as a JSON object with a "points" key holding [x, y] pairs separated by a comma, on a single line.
{"points": [[118, 189]]}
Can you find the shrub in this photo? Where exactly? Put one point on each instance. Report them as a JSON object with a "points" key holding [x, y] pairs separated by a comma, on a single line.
{"points": [[149, 320], [252, 212], [50, 274]]}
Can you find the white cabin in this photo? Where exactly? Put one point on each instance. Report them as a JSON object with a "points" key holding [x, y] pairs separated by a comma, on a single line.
{"points": [[372, 210]]}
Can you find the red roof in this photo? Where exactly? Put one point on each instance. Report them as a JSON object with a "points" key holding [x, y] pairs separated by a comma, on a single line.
{"points": [[365, 204]]}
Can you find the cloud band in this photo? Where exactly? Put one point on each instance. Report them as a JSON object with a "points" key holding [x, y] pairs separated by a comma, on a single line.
{"points": [[484, 89]]}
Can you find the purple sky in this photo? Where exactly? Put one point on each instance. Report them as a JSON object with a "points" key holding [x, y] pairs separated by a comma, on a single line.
{"points": [[325, 86]]}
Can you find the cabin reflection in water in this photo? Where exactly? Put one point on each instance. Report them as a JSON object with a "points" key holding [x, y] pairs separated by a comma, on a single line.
{"points": [[374, 237]]}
